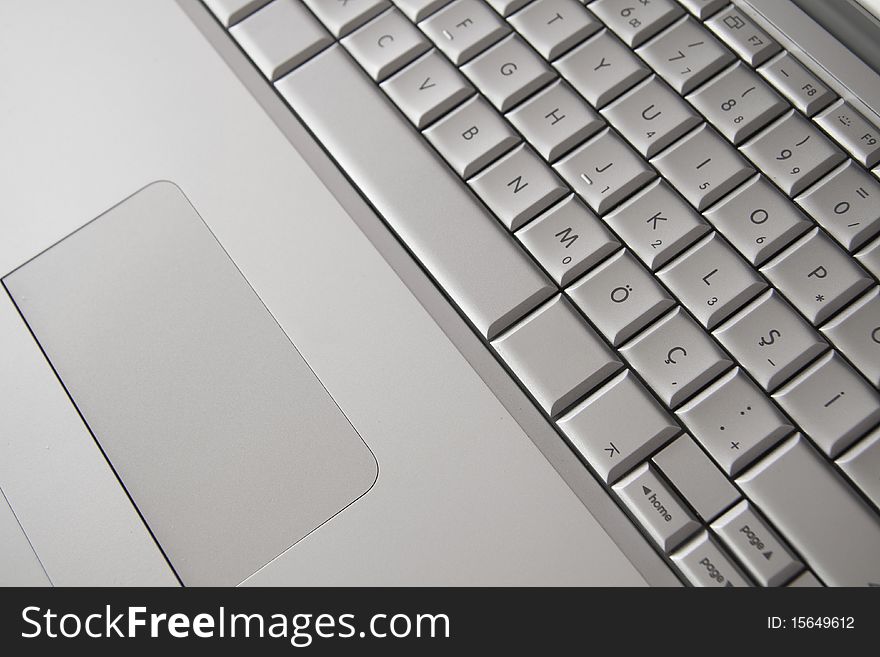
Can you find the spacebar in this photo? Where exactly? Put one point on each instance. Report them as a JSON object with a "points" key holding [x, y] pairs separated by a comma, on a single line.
{"points": [[470, 255]]}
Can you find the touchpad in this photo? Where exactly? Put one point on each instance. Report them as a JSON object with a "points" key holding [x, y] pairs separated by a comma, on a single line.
{"points": [[224, 438]]}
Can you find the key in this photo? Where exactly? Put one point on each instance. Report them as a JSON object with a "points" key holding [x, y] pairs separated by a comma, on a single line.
{"points": [[734, 421], [427, 89], [686, 55], [651, 116], [702, 9], [699, 480], [870, 257], [416, 10], [343, 17], [280, 37], [604, 171], [740, 32], [847, 205], [567, 240], [464, 28], [601, 68], [738, 103], [862, 465], [853, 131], [386, 44], [816, 276], [676, 357], [556, 355], [477, 262], [636, 22], [805, 580], [518, 187], [793, 154], [656, 507], [770, 340], [507, 7], [554, 26], [703, 563], [758, 220], [702, 167], [620, 298], [754, 543], [803, 89], [711, 280], [508, 72], [657, 224], [471, 137], [856, 332], [229, 12], [831, 403], [610, 446], [834, 531], [555, 120]]}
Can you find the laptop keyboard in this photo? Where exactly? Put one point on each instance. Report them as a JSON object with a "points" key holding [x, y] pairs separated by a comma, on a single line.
{"points": [[675, 249]]}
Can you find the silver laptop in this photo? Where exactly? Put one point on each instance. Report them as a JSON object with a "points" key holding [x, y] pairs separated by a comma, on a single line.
{"points": [[440, 292]]}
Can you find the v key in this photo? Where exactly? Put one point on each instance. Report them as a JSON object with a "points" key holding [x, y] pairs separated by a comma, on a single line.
{"points": [[427, 84]]}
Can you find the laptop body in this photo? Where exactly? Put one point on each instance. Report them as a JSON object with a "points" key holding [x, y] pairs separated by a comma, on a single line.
{"points": [[425, 463]]}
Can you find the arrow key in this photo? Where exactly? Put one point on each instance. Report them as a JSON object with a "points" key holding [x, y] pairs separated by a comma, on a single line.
{"points": [[660, 511], [752, 541]]}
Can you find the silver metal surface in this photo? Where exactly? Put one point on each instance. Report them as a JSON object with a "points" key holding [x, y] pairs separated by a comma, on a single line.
{"points": [[163, 119], [20, 565], [230, 12]]}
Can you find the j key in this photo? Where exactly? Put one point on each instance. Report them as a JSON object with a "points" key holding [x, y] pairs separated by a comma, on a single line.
{"points": [[758, 220], [696, 477], [656, 507], [847, 205], [831, 403], [567, 240], [508, 72], [427, 89], [748, 40], [464, 28], [770, 340], [604, 171], [862, 463], [676, 357], [601, 68], [738, 103], [703, 167], [703, 563], [386, 44], [518, 187], [818, 513], [686, 55], [803, 89], [554, 26], [793, 153], [343, 17], [856, 332], [471, 137], [620, 297], [636, 22], [657, 224], [870, 257], [852, 131], [280, 37], [612, 448], [754, 543], [734, 421], [702, 9], [651, 116], [556, 355], [416, 10], [711, 280], [817, 276], [555, 120]]}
